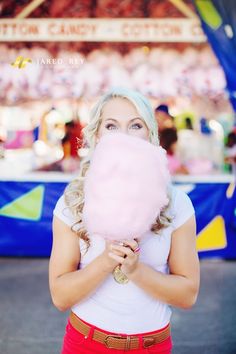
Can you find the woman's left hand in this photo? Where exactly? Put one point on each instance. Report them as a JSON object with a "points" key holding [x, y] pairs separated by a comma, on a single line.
{"points": [[129, 261]]}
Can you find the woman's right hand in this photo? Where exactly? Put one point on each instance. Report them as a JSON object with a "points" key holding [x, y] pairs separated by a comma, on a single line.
{"points": [[109, 263]]}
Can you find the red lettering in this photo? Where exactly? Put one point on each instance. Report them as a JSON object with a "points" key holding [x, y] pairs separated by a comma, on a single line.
{"points": [[93, 28], [51, 28], [23, 29], [33, 29], [196, 29], [125, 29], [5, 26]]}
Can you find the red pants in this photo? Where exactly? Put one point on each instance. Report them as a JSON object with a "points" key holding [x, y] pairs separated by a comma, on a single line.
{"points": [[75, 343]]}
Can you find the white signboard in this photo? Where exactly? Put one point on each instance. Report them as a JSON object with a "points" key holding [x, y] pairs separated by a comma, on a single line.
{"points": [[101, 30]]}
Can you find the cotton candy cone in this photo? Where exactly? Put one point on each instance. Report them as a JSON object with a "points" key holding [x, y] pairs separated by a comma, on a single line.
{"points": [[125, 187]]}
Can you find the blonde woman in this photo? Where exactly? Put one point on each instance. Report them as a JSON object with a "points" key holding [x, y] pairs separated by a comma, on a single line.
{"points": [[136, 316]]}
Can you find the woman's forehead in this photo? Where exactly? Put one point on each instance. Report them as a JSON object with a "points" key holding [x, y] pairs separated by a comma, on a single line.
{"points": [[119, 108]]}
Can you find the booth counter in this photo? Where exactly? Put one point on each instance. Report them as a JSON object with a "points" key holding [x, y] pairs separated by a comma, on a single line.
{"points": [[27, 203]]}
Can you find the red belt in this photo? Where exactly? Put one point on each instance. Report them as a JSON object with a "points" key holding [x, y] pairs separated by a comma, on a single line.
{"points": [[121, 342]]}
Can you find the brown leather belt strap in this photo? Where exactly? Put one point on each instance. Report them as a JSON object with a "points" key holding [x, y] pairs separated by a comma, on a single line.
{"points": [[120, 342]]}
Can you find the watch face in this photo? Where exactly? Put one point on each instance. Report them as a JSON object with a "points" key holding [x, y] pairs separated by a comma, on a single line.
{"points": [[119, 276]]}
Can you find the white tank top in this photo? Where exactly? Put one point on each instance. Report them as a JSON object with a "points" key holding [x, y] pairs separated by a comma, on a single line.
{"points": [[126, 308]]}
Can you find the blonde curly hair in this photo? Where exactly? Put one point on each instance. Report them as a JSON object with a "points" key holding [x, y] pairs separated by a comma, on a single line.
{"points": [[74, 194]]}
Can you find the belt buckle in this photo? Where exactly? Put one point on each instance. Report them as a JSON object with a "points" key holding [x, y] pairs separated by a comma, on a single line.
{"points": [[148, 342], [112, 336]]}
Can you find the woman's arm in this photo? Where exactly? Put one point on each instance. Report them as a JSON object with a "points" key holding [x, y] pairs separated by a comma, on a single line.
{"points": [[180, 287], [68, 285]]}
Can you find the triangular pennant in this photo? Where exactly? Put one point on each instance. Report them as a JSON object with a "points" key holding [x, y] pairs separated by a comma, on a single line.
{"points": [[27, 207], [213, 236]]}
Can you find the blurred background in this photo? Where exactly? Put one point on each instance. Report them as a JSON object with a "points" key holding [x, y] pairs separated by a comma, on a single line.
{"points": [[56, 59], [74, 51]]}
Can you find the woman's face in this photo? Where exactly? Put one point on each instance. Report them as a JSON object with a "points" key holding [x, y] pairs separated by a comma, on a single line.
{"points": [[120, 115]]}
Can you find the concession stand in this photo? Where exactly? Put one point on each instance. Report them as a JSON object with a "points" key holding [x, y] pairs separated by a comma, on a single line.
{"points": [[41, 92]]}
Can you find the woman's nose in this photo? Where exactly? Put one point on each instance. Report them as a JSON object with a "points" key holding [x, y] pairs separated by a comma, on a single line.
{"points": [[124, 130]]}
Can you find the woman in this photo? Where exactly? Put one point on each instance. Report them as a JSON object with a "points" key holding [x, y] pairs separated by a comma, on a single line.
{"points": [[107, 317]]}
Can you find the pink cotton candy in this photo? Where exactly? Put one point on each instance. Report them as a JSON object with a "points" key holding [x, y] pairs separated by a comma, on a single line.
{"points": [[125, 187]]}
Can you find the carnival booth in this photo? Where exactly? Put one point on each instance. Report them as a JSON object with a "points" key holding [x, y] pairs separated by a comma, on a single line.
{"points": [[52, 71]]}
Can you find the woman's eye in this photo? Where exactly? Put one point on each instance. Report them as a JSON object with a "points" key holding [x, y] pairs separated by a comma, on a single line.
{"points": [[110, 126], [136, 126]]}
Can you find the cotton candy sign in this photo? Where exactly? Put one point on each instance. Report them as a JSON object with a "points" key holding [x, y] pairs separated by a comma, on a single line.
{"points": [[125, 187]]}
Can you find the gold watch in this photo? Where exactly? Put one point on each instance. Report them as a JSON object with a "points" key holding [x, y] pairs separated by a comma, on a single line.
{"points": [[119, 276]]}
